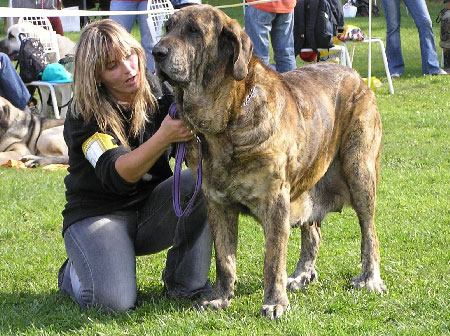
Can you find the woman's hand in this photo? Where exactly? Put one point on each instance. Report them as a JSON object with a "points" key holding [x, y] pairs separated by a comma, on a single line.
{"points": [[174, 130], [133, 165]]}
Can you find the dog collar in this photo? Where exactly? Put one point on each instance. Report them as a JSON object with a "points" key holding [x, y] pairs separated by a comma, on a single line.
{"points": [[249, 96]]}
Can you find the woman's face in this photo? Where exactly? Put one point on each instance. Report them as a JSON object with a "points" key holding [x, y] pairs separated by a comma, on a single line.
{"points": [[121, 77]]}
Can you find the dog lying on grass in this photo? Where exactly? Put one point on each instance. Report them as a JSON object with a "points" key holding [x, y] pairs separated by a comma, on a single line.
{"points": [[30, 138], [285, 148]]}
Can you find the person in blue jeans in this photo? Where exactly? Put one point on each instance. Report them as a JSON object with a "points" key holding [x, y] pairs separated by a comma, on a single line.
{"points": [[12, 87], [128, 21], [274, 19], [119, 183], [421, 17]]}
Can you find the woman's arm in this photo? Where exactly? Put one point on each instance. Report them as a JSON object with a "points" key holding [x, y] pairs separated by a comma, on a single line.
{"points": [[133, 165]]}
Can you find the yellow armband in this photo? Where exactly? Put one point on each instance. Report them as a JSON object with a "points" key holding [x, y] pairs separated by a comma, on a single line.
{"points": [[96, 145]]}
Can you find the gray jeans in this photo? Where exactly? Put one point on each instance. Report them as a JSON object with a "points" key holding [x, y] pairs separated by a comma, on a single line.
{"points": [[102, 266]]}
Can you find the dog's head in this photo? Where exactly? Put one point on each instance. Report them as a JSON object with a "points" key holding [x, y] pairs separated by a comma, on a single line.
{"points": [[10, 44], [202, 43]]}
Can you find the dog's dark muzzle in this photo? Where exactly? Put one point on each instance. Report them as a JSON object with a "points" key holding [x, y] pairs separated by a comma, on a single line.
{"points": [[169, 63], [160, 53]]}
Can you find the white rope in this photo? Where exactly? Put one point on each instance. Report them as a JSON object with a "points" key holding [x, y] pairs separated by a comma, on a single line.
{"points": [[19, 12], [242, 4]]}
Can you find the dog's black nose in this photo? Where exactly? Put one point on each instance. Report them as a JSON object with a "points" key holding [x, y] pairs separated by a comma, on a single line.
{"points": [[160, 53]]}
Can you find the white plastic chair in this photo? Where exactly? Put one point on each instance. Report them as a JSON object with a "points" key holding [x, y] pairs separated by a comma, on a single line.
{"points": [[383, 55], [161, 11], [50, 44]]}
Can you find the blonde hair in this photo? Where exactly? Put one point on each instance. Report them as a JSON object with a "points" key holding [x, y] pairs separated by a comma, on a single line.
{"points": [[102, 42]]}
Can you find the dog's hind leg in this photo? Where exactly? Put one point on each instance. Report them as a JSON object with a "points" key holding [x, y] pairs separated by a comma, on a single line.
{"points": [[363, 201], [305, 272], [328, 195], [360, 154], [224, 228]]}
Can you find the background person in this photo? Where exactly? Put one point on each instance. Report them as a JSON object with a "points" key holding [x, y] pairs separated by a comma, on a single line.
{"points": [[274, 19], [11, 85], [46, 4], [119, 186], [421, 17], [128, 21]]}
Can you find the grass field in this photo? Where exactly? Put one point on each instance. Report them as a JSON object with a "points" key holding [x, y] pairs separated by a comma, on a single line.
{"points": [[412, 223]]}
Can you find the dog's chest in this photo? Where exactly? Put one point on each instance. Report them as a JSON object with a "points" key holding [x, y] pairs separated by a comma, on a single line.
{"points": [[228, 180], [217, 178], [232, 188]]}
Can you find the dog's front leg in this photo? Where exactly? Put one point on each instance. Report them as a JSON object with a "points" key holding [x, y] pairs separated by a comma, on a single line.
{"points": [[224, 227], [276, 230]]}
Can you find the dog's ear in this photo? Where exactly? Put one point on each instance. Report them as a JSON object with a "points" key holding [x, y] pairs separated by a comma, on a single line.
{"points": [[4, 113], [242, 48]]}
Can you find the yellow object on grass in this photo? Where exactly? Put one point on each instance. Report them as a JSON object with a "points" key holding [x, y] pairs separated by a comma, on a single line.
{"points": [[374, 82]]}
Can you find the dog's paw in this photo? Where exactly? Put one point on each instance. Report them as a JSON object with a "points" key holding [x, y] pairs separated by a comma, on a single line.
{"points": [[373, 284], [274, 311], [213, 304], [31, 161], [302, 280]]}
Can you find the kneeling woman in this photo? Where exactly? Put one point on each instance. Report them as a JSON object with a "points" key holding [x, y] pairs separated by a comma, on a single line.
{"points": [[119, 186]]}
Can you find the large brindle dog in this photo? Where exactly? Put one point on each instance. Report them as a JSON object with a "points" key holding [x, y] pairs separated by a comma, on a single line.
{"points": [[284, 148]]}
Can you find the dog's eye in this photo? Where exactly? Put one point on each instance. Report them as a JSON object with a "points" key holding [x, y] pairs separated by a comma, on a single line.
{"points": [[167, 28], [193, 29], [10, 36]]}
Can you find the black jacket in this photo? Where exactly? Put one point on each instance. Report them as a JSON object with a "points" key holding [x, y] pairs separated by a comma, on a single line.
{"points": [[98, 191]]}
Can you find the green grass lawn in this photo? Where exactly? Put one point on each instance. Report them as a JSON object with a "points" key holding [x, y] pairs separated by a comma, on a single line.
{"points": [[412, 224]]}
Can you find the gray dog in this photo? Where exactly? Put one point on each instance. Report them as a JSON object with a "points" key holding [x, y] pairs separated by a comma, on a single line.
{"points": [[30, 138]]}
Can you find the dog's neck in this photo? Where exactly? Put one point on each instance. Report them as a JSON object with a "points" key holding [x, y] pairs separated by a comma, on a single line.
{"points": [[207, 109], [211, 109]]}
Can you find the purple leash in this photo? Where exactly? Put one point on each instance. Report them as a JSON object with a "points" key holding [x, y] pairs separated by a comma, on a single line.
{"points": [[181, 148]]}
